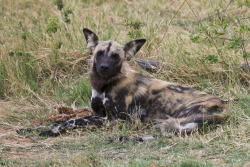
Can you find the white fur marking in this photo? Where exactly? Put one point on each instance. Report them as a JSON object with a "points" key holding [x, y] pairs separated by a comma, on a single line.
{"points": [[86, 120], [96, 94], [55, 130], [90, 44], [138, 111], [146, 138], [141, 111], [104, 99], [187, 126], [131, 51]]}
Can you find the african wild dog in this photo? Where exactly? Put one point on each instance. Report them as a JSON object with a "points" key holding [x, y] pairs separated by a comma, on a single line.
{"points": [[118, 92]]}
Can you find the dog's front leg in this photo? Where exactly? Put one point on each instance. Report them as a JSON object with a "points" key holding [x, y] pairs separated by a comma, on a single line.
{"points": [[74, 123]]}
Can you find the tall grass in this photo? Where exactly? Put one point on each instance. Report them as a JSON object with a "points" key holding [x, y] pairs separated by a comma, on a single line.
{"points": [[43, 44]]}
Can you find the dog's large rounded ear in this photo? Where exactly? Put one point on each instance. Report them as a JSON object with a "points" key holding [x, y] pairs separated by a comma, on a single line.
{"points": [[133, 47], [91, 38]]}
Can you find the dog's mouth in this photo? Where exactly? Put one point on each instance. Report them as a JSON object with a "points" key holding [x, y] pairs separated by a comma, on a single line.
{"points": [[104, 74]]}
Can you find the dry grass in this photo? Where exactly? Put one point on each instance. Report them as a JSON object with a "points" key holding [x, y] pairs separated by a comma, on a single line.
{"points": [[46, 76]]}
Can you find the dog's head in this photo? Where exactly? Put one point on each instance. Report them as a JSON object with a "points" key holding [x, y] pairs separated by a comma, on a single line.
{"points": [[109, 56]]}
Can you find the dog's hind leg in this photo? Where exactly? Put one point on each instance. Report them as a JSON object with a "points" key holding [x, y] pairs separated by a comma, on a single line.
{"points": [[175, 125], [191, 122]]}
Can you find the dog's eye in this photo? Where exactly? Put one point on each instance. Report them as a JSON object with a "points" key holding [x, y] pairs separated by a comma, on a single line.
{"points": [[99, 53], [115, 56]]}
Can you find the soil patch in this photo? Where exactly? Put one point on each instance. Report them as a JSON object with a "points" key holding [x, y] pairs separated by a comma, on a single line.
{"points": [[13, 141], [66, 113]]}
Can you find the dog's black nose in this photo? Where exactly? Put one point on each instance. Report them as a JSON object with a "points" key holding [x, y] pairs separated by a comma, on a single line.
{"points": [[104, 67]]}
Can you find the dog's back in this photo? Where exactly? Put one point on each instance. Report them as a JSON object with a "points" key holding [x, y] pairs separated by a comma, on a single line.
{"points": [[171, 106]]}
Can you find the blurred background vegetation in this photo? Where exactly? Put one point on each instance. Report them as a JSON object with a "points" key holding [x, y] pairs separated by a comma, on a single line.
{"points": [[44, 55]]}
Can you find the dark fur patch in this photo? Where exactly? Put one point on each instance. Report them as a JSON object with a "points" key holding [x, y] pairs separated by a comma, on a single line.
{"points": [[155, 92], [89, 120], [108, 49], [213, 109], [98, 107], [179, 88], [87, 33], [158, 107], [97, 82], [71, 121], [174, 89]]}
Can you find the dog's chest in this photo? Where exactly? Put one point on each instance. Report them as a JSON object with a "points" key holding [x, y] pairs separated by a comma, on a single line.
{"points": [[114, 104]]}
